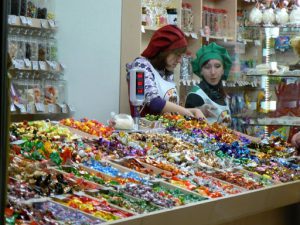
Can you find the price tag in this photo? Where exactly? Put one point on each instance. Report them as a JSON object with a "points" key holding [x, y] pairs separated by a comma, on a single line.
{"points": [[225, 39], [207, 38], [35, 65], [51, 23], [61, 197], [188, 82], [63, 66], [42, 65], [202, 33], [51, 108], [143, 29], [12, 107], [52, 64], [63, 108], [72, 108], [40, 107], [21, 107], [29, 21], [44, 23], [194, 35], [18, 142], [27, 63], [29, 108], [257, 43], [184, 82], [93, 191], [18, 63], [12, 19], [194, 82], [23, 20], [187, 34], [245, 42]]}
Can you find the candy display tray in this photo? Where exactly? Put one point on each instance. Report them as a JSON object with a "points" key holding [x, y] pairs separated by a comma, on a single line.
{"points": [[95, 191], [36, 202], [79, 132], [158, 171], [256, 177]]}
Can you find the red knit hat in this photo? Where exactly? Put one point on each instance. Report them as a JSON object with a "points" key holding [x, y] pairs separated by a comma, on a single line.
{"points": [[165, 38]]}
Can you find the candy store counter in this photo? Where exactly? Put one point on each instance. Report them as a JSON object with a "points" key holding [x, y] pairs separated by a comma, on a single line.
{"points": [[238, 209]]}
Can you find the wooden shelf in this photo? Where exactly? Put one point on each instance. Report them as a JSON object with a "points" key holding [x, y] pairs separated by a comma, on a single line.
{"points": [[33, 23]]}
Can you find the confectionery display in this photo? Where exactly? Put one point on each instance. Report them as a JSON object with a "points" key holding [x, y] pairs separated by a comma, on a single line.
{"points": [[106, 174], [65, 170]]}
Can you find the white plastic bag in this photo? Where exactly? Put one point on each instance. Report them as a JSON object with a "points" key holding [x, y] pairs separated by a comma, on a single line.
{"points": [[121, 121]]}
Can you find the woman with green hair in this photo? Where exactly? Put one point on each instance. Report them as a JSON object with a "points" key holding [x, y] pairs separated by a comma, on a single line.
{"points": [[212, 64]]}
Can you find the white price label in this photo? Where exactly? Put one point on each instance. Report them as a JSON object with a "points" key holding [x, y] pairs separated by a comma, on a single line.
{"points": [[194, 82], [44, 23], [35, 65], [189, 82], [72, 108], [23, 20], [51, 23], [194, 35], [12, 107], [207, 38], [12, 19], [63, 66], [257, 43], [42, 65], [51, 108], [18, 142], [18, 63], [143, 29], [21, 107], [225, 39], [29, 21], [63, 108], [187, 34], [29, 108], [202, 33], [40, 107], [52, 64], [184, 82], [61, 197], [27, 63], [245, 42]]}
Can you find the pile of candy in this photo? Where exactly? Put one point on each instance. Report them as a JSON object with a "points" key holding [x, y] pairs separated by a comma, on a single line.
{"points": [[118, 175]]}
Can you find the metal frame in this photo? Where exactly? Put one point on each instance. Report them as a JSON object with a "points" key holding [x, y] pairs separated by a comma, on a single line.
{"points": [[4, 112]]}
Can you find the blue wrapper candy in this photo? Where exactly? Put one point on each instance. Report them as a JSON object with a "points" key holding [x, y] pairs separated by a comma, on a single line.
{"points": [[66, 215], [114, 172]]}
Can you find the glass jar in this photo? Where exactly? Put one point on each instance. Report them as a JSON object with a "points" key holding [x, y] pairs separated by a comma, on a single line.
{"points": [[15, 6], [41, 9], [50, 6], [186, 67], [31, 8]]}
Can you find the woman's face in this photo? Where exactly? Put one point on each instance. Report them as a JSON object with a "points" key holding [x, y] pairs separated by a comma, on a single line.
{"points": [[172, 60], [212, 71]]}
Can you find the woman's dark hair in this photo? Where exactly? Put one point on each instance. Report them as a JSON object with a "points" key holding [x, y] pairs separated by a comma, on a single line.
{"points": [[159, 61]]}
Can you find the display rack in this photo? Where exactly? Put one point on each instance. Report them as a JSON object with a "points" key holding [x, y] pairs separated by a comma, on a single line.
{"points": [[37, 84]]}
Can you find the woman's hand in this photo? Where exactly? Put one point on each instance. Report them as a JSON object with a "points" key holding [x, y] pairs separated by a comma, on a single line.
{"points": [[207, 110], [197, 113]]}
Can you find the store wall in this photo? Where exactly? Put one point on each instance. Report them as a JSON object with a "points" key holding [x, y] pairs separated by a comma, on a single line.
{"points": [[89, 45]]}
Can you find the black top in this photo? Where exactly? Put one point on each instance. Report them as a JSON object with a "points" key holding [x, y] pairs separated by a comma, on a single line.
{"points": [[215, 93]]}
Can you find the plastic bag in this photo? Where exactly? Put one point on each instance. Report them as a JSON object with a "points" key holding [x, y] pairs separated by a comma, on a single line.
{"points": [[121, 121]]}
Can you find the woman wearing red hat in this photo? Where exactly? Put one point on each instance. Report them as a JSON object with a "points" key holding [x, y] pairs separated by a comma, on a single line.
{"points": [[159, 60]]}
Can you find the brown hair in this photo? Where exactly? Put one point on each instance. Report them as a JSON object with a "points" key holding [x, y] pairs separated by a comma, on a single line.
{"points": [[159, 61]]}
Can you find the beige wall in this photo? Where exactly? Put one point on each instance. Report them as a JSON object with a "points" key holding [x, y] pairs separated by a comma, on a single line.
{"points": [[130, 45]]}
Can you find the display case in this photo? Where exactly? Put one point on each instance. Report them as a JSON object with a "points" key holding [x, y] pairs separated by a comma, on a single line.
{"points": [[36, 75]]}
